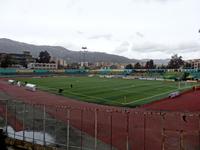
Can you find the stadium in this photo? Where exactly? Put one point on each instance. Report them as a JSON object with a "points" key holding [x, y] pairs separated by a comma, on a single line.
{"points": [[99, 75], [125, 109]]}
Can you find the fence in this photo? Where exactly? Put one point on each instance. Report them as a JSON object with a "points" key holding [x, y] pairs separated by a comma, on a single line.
{"points": [[69, 128]]}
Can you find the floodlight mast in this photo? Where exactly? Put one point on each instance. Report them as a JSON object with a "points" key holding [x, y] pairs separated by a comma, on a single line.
{"points": [[84, 48]]}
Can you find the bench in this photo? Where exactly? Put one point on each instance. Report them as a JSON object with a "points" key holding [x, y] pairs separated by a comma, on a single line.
{"points": [[174, 94]]}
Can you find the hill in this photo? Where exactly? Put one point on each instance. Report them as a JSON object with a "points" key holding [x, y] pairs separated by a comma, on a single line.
{"points": [[10, 46]]}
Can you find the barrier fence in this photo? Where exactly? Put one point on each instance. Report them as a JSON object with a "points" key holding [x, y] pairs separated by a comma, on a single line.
{"points": [[159, 73], [70, 128]]}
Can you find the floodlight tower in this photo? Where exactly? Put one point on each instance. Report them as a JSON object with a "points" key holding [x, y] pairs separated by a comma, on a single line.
{"points": [[84, 48]]}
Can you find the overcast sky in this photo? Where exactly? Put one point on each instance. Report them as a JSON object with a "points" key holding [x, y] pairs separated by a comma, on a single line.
{"points": [[132, 28]]}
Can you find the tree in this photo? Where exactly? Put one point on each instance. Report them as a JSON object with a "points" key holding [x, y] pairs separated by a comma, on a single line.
{"points": [[6, 61], [44, 57], [113, 67], [162, 67], [129, 66], [150, 64], [137, 66], [176, 62]]}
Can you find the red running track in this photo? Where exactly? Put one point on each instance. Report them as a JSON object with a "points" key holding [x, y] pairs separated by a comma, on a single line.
{"points": [[186, 102]]}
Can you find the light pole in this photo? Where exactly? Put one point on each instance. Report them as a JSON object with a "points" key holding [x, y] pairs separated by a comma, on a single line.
{"points": [[84, 48]]}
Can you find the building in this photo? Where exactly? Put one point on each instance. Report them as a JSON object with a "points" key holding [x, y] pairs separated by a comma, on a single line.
{"points": [[61, 63], [84, 64], [44, 66], [20, 59], [195, 63]]}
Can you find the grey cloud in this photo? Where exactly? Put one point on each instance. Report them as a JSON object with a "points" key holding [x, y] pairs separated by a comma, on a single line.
{"points": [[188, 47], [104, 36], [148, 47], [154, 47], [123, 47], [139, 34]]}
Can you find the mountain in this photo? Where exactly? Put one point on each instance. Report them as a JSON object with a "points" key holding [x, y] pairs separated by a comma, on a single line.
{"points": [[10, 46]]}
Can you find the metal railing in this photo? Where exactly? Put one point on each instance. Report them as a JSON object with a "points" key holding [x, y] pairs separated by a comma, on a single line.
{"points": [[70, 128]]}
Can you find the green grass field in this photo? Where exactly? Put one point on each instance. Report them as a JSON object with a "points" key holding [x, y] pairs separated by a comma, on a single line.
{"points": [[118, 92]]}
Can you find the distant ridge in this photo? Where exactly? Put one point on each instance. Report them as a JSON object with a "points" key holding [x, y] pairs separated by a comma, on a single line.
{"points": [[10, 46]]}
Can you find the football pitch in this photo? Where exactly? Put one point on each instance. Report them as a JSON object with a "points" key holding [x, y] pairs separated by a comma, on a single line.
{"points": [[118, 92]]}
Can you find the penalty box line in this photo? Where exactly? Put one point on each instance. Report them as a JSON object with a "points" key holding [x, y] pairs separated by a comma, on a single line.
{"points": [[156, 95]]}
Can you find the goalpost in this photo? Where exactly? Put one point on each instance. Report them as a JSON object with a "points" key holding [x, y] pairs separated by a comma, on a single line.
{"points": [[186, 85], [183, 84]]}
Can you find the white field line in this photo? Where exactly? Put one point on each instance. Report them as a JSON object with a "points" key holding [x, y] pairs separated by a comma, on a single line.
{"points": [[155, 95], [75, 94], [148, 97], [115, 89], [135, 86], [113, 101]]}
